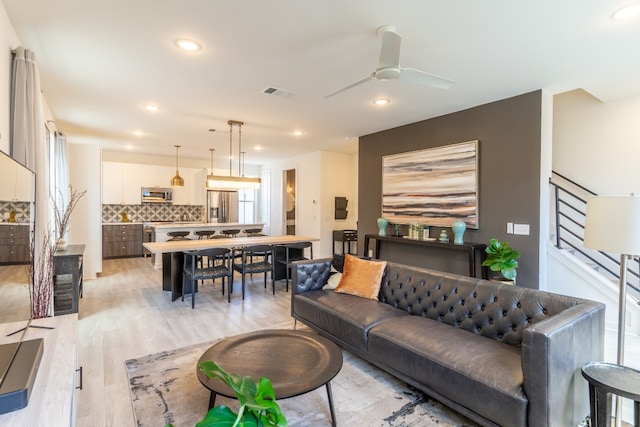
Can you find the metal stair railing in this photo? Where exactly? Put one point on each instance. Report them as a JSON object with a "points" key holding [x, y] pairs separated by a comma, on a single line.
{"points": [[570, 207]]}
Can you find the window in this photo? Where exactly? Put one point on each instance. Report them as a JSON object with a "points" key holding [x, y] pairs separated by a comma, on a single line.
{"points": [[246, 206]]}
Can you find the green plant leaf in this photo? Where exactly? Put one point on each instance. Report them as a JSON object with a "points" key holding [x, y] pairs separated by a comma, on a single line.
{"points": [[257, 402]]}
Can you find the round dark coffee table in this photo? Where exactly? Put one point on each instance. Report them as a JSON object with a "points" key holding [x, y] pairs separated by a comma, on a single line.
{"points": [[296, 362]]}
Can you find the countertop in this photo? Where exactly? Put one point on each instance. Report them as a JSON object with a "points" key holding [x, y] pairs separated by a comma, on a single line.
{"points": [[209, 225], [123, 223]]}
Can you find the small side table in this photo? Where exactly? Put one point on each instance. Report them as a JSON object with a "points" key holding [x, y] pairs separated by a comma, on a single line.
{"points": [[606, 379]]}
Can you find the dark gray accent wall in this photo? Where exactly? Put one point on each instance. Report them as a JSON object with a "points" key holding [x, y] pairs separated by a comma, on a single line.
{"points": [[509, 133]]}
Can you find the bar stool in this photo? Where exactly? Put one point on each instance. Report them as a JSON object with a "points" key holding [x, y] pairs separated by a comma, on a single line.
{"points": [[178, 235], [253, 232], [204, 234], [606, 379], [230, 232]]}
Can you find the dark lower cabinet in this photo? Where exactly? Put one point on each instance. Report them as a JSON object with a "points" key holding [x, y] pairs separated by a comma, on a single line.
{"points": [[14, 243], [121, 240], [67, 279]]}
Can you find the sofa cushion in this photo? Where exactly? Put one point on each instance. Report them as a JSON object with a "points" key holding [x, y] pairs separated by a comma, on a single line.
{"points": [[361, 277], [347, 317], [477, 372], [333, 282]]}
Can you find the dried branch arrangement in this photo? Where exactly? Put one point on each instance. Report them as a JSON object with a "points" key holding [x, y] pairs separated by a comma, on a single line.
{"points": [[41, 277], [63, 212]]}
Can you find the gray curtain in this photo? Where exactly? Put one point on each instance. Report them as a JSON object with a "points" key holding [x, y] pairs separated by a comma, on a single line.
{"points": [[30, 147]]}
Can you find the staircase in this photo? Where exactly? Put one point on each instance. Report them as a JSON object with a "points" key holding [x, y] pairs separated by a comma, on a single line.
{"points": [[567, 221]]}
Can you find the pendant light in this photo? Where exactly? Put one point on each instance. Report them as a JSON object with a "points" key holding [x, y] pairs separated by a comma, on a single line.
{"points": [[232, 182], [177, 180]]}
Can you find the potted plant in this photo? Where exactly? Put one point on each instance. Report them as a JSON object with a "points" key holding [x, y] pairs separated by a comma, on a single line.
{"points": [[502, 258], [257, 402]]}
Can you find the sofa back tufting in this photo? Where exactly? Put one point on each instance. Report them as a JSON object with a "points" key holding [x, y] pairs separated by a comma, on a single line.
{"points": [[499, 312]]}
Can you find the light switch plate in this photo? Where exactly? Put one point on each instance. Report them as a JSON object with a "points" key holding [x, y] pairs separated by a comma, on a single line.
{"points": [[522, 229]]}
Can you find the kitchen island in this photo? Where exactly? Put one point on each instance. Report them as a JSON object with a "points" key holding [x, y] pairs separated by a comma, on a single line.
{"points": [[159, 230]]}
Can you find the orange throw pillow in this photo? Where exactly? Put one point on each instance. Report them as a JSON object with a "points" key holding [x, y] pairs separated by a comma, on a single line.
{"points": [[361, 277]]}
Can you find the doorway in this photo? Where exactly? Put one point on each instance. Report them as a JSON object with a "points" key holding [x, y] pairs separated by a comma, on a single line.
{"points": [[289, 198]]}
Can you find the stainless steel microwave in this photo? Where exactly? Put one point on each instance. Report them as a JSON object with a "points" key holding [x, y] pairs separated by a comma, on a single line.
{"points": [[157, 195]]}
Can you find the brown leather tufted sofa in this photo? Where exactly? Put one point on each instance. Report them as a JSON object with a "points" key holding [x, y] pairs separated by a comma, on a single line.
{"points": [[501, 355]]}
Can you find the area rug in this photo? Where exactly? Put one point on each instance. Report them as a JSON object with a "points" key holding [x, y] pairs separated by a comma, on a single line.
{"points": [[165, 389]]}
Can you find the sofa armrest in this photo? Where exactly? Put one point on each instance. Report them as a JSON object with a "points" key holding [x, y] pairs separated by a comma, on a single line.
{"points": [[553, 352], [310, 275]]}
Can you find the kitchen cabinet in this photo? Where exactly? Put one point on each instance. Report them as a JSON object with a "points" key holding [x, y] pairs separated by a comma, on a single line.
{"points": [[121, 240], [111, 183], [199, 188], [19, 183], [121, 183], [14, 243]]}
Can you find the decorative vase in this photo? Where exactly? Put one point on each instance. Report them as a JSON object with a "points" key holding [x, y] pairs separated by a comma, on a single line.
{"points": [[382, 226], [458, 228], [444, 237], [61, 244]]}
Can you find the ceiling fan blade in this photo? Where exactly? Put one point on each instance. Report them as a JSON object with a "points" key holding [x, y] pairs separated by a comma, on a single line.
{"points": [[359, 82], [426, 79], [390, 51]]}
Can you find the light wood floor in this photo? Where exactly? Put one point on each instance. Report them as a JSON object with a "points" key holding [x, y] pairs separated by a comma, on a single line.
{"points": [[125, 314]]}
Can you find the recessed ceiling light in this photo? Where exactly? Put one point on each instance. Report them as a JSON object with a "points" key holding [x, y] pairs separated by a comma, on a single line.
{"points": [[629, 11], [257, 148], [297, 133], [129, 147], [381, 101], [187, 44], [151, 107], [138, 133]]}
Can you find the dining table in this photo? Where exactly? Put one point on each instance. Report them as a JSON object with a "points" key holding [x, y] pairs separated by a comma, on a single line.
{"points": [[172, 253]]}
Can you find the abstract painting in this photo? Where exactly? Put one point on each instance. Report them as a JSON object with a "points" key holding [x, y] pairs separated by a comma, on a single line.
{"points": [[435, 186]]}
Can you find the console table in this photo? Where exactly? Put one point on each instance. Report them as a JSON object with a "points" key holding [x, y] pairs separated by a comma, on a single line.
{"points": [[67, 279], [52, 401], [475, 251]]}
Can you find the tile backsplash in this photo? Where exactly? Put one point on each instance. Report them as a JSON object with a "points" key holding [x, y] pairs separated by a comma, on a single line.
{"points": [[21, 209], [150, 212]]}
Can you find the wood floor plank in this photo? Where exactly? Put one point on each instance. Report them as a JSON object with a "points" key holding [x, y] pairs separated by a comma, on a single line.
{"points": [[125, 314]]}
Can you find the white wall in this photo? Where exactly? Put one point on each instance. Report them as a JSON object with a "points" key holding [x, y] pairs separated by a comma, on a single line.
{"points": [[86, 220], [339, 179], [320, 177], [597, 144]]}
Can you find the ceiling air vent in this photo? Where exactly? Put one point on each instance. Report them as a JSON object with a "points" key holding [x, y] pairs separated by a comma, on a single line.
{"points": [[277, 92]]}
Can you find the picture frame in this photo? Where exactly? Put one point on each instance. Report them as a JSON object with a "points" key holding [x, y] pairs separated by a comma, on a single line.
{"points": [[435, 186]]}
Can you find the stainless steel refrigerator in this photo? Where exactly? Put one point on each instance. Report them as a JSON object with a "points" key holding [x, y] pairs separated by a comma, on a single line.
{"points": [[222, 206]]}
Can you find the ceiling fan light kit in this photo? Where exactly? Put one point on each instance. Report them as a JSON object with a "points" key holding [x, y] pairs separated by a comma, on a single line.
{"points": [[389, 65], [220, 182]]}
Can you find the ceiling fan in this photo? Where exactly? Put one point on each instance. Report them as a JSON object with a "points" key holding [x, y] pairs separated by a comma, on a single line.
{"points": [[389, 65]]}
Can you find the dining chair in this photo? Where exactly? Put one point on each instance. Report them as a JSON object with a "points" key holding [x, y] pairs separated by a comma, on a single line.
{"points": [[256, 259], [294, 252], [207, 264]]}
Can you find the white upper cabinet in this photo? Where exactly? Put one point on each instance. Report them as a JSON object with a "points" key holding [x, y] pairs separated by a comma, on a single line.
{"points": [[121, 183], [111, 183], [132, 182]]}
